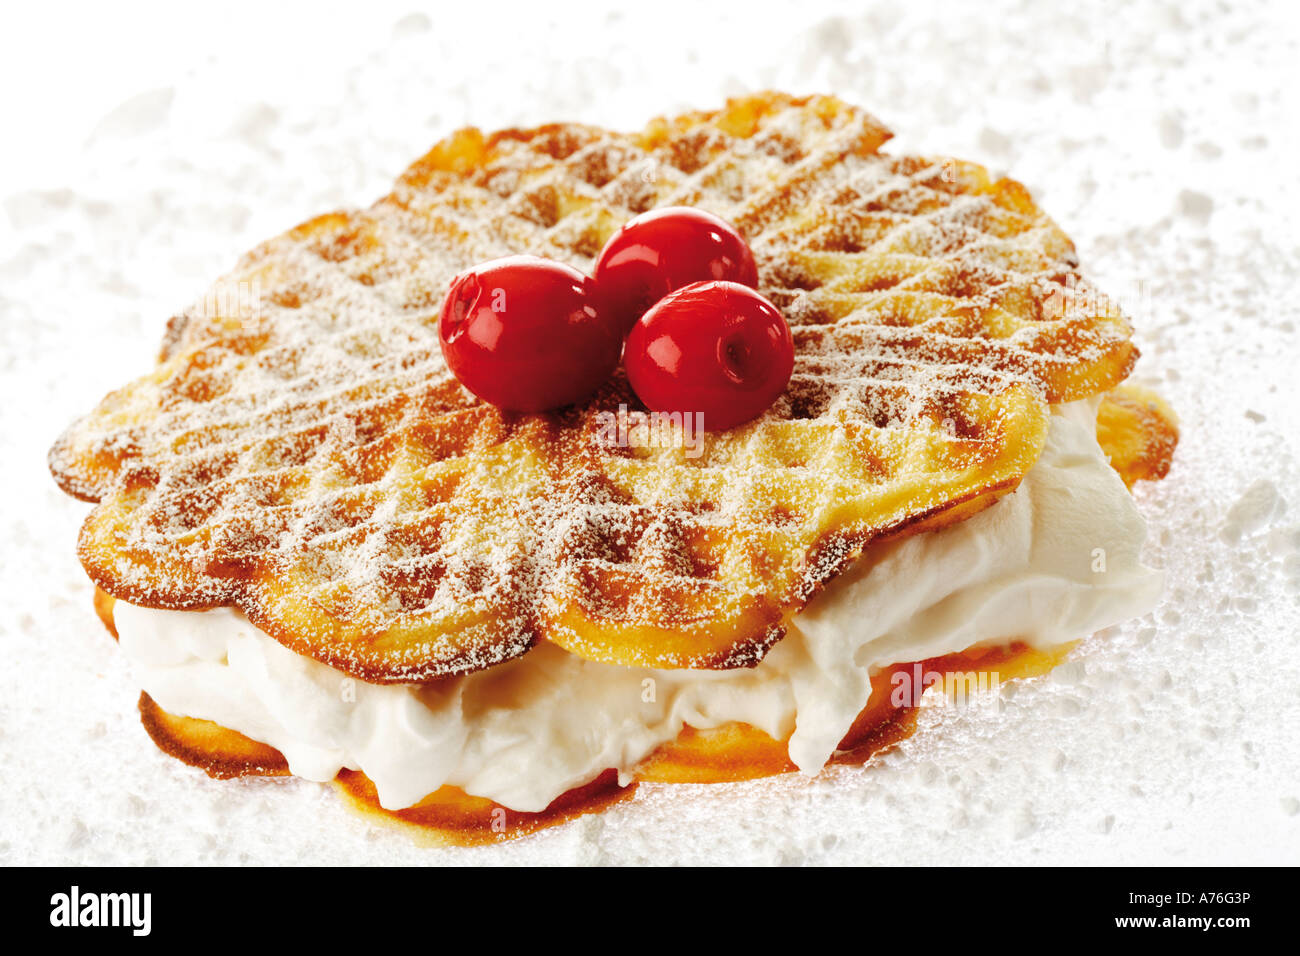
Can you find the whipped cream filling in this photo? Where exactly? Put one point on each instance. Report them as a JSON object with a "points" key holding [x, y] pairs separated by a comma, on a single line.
{"points": [[1052, 561]]}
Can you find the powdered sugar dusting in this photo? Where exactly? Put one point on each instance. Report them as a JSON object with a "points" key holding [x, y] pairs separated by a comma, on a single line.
{"points": [[315, 462], [1154, 133]]}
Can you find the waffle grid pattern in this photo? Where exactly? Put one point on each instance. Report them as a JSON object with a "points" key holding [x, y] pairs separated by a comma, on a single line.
{"points": [[314, 462]]}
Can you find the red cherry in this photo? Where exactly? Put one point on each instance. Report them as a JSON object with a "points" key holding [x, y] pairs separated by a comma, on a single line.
{"points": [[526, 334], [661, 251], [718, 348]]}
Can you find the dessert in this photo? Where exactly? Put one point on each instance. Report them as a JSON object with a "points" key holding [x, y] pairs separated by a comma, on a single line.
{"points": [[324, 554]]}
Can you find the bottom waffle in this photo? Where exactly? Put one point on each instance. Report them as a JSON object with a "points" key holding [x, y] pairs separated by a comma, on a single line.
{"points": [[452, 817]]}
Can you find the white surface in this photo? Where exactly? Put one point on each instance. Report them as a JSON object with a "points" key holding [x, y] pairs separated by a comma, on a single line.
{"points": [[146, 150], [526, 731]]}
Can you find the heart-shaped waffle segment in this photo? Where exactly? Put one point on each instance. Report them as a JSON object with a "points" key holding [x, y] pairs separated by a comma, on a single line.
{"points": [[301, 450]]}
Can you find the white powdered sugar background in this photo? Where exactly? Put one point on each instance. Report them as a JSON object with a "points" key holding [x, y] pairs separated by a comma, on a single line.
{"points": [[147, 149]]}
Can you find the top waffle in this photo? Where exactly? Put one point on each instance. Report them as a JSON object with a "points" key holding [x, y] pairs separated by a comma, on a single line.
{"points": [[301, 450]]}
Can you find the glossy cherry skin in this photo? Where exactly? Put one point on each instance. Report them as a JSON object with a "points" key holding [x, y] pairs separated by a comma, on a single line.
{"points": [[661, 251], [526, 334], [718, 348]]}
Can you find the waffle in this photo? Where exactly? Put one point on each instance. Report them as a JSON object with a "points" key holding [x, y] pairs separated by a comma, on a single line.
{"points": [[726, 754], [1136, 430], [312, 461]]}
